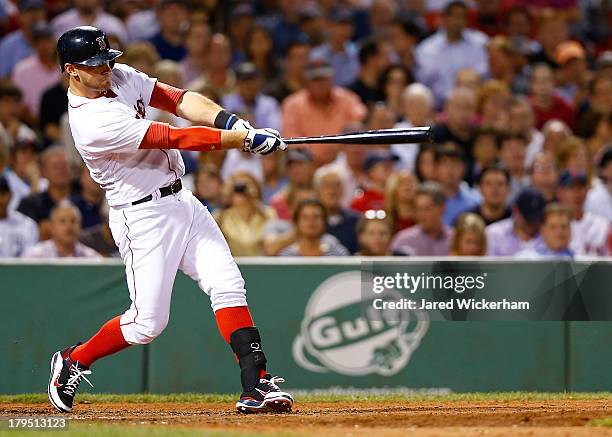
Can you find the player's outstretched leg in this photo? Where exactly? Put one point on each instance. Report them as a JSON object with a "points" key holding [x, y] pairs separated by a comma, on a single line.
{"points": [[70, 366], [260, 392]]}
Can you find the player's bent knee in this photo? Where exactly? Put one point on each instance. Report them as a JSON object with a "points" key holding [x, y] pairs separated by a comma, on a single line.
{"points": [[144, 333]]}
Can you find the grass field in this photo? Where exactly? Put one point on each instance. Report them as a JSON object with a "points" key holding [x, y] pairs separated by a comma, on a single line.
{"points": [[359, 414]]}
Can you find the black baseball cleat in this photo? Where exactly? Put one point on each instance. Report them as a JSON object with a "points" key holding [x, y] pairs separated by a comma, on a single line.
{"points": [[265, 397], [64, 380]]}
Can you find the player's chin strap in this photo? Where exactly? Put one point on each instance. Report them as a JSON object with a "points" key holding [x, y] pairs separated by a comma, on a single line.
{"points": [[246, 344]]}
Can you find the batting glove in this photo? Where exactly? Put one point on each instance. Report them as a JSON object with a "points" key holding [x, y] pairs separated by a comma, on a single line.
{"points": [[263, 141], [241, 124]]}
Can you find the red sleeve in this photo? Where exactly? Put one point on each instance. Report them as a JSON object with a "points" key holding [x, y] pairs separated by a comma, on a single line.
{"points": [[164, 136], [166, 97]]}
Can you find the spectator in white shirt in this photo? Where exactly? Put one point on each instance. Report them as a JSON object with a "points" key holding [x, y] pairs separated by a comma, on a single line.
{"points": [[450, 49], [65, 231], [17, 232], [599, 197]]}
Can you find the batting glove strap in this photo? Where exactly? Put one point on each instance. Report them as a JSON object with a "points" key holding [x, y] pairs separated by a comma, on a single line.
{"points": [[263, 141], [228, 121]]}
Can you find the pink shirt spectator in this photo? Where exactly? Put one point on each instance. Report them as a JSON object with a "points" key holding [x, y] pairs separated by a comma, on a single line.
{"points": [[414, 242], [110, 24], [33, 78]]}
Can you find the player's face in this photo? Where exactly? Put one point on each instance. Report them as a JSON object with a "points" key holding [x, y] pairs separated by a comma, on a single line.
{"points": [[95, 78]]}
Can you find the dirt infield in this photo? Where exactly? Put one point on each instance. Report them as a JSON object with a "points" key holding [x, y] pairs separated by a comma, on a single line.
{"points": [[370, 418]]}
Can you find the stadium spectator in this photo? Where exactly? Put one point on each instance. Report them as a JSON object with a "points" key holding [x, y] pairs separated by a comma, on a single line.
{"points": [[197, 40], [590, 232], [22, 171], [453, 47], [596, 129], [522, 120], [243, 220], [12, 128], [260, 51], [502, 64], [545, 103], [17, 232], [17, 45], [469, 238], [339, 50], [400, 194], [404, 36], [554, 132], [341, 222], [573, 155], [207, 184], [572, 72], [425, 169], [142, 56], [284, 26], [556, 235], [100, 237], [65, 228], [293, 78], [38, 206], [373, 60], [513, 146], [544, 175], [449, 172], [374, 235], [494, 185], [320, 109], [552, 31], [430, 236], [460, 112], [468, 78], [378, 166], [89, 200], [521, 231], [300, 171], [416, 110], [249, 102], [311, 240], [89, 13], [393, 81], [494, 104], [485, 150], [38, 72], [275, 180], [218, 75], [599, 197], [53, 106], [240, 21], [169, 41]]}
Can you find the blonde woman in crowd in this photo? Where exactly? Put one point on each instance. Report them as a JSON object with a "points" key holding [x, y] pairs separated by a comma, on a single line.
{"points": [[399, 199], [470, 238]]}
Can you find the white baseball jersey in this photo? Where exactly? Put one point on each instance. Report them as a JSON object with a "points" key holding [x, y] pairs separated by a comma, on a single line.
{"points": [[107, 132], [590, 235]]}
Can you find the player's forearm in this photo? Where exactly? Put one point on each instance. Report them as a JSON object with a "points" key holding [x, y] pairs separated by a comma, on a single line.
{"points": [[197, 138], [197, 109]]}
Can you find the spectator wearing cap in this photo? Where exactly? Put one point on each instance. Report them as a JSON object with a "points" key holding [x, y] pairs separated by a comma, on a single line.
{"points": [[339, 50], [17, 232], [544, 175], [54, 167], [556, 234], [248, 100], [449, 161], [590, 232], [451, 48], [522, 119], [430, 236], [300, 171], [521, 231], [552, 31], [571, 57], [12, 129], [494, 185], [599, 197], [65, 229], [416, 102], [512, 150], [196, 44], [218, 75], [373, 60], [172, 17], [320, 109], [329, 184], [36, 73], [89, 13], [546, 104], [378, 167], [293, 78], [17, 45], [311, 238]]}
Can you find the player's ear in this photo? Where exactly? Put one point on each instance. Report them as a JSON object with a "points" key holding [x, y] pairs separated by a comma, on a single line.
{"points": [[71, 70]]}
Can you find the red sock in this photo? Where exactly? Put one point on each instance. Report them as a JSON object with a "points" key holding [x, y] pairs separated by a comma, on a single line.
{"points": [[230, 320], [108, 340]]}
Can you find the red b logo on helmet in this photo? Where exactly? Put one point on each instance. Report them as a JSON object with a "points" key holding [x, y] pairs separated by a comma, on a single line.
{"points": [[101, 42]]}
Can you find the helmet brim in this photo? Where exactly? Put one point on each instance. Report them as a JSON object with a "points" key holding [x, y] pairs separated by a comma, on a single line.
{"points": [[101, 58]]}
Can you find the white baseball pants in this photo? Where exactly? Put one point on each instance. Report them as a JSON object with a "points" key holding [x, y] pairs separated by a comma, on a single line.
{"points": [[155, 239]]}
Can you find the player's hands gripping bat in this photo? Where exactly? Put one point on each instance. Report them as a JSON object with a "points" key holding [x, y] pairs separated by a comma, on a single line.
{"points": [[263, 141]]}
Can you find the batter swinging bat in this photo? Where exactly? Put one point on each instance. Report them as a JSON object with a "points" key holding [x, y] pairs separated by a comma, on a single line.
{"points": [[382, 136]]}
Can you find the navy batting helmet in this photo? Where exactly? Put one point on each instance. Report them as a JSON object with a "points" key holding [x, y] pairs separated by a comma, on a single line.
{"points": [[85, 45]]}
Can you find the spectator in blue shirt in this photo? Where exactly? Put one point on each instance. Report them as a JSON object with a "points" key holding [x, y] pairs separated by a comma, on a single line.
{"points": [[449, 170], [556, 233], [170, 40]]}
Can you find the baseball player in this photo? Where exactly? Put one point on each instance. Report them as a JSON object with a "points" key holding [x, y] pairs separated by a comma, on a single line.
{"points": [[158, 226]]}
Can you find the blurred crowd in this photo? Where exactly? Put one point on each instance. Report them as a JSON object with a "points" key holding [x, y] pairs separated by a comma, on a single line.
{"points": [[519, 94]]}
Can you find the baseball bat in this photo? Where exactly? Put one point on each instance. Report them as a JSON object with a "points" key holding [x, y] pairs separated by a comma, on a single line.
{"points": [[381, 136]]}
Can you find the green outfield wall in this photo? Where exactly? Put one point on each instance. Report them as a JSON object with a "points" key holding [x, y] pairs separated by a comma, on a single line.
{"points": [[312, 334]]}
